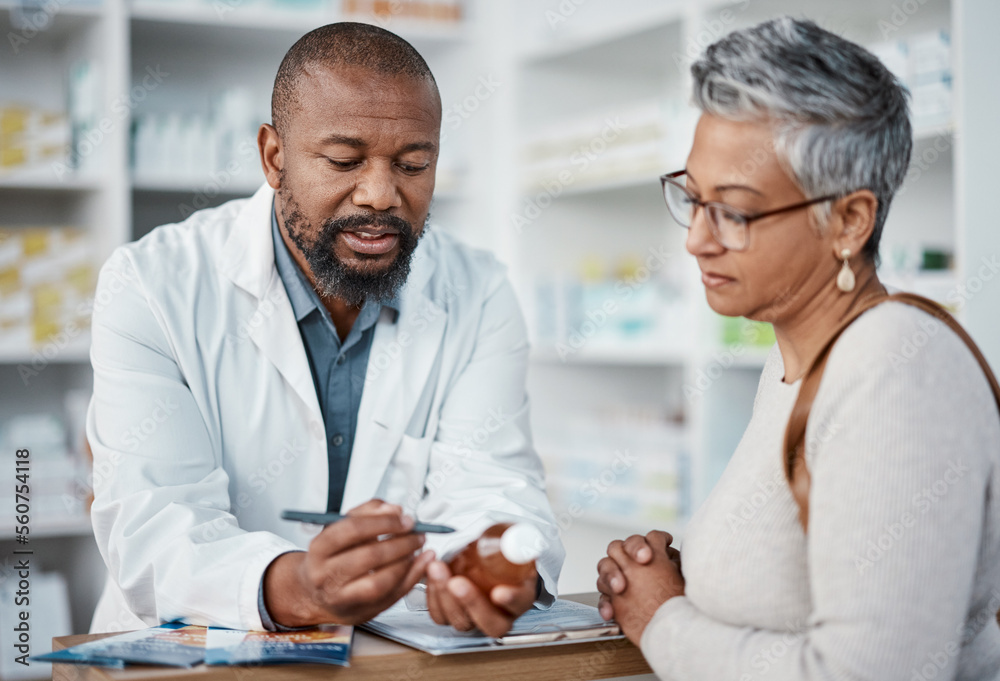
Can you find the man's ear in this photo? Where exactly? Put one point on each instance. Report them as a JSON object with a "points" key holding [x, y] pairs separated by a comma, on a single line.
{"points": [[271, 154], [853, 220]]}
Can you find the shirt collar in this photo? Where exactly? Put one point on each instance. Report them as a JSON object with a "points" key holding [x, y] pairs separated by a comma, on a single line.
{"points": [[302, 295]]}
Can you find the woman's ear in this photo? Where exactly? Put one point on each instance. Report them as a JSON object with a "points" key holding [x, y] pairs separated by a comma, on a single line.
{"points": [[271, 157], [853, 220]]}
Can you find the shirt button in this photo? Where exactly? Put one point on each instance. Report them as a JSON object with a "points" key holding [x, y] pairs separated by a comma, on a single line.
{"points": [[338, 440], [341, 359]]}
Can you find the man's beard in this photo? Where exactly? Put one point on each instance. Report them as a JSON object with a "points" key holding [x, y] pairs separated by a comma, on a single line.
{"points": [[335, 278]]}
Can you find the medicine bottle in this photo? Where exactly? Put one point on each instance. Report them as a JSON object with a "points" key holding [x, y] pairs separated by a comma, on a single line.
{"points": [[504, 554]]}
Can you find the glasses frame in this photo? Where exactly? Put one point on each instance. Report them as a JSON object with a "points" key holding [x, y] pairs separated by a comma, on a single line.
{"points": [[670, 178]]}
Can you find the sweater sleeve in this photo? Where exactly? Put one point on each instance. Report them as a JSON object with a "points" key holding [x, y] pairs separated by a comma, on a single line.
{"points": [[898, 456]]}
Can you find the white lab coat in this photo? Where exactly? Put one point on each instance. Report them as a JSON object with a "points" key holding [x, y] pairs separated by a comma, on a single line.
{"points": [[205, 422]]}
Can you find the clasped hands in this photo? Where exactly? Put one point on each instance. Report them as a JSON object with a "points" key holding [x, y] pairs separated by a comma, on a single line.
{"points": [[356, 568], [638, 575]]}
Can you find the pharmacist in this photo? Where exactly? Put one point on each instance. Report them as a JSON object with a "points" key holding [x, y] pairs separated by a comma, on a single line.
{"points": [[314, 347]]}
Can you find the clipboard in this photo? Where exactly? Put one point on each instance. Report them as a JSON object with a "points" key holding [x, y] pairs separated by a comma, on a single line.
{"points": [[608, 631], [566, 622]]}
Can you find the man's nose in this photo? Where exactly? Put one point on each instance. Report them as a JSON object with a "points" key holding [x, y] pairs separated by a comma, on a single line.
{"points": [[376, 188], [700, 240]]}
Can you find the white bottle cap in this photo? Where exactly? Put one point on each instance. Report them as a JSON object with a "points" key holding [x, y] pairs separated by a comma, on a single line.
{"points": [[521, 543]]}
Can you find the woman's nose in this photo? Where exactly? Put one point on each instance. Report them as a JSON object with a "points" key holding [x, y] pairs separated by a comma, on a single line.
{"points": [[700, 240]]}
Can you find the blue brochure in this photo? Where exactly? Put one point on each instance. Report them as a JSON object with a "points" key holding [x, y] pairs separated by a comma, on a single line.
{"points": [[325, 644], [173, 644], [176, 644]]}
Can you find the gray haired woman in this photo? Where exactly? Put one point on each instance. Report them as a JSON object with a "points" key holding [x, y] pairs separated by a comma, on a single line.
{"points": [[804, 138]]}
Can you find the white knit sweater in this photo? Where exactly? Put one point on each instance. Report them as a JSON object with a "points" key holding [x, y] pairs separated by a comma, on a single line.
{"points": [[899, 574]]}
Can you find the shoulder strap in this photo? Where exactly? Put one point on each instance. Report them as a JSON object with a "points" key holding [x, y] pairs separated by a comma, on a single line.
{"points": [[796, 469]]}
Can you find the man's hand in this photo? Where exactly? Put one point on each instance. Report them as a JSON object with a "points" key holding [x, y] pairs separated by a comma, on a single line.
{"points": [[637, 577], [460, 603], [354, 569]]}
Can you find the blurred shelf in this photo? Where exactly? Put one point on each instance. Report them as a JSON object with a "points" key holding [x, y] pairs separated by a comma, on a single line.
{"points": [[627, 525], [618, 355], [603, 36], [727, 357], [229, 15], [182, 186], [752, 359], [926, 133], [67, 20], [942, 286], [70, 355], [77, 9], [590, 188], [45, 182], [77, 526], [257, 16], [449, 195]]}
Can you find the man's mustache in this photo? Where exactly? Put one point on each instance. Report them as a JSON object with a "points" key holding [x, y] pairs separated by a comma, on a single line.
{"points": [[349, 223]]}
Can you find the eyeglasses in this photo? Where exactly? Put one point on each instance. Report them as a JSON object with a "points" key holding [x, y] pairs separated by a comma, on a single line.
{"points": [[728, 225]]}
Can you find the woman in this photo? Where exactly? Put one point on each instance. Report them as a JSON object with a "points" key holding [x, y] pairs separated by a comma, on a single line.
{"points": [[802, 142]]}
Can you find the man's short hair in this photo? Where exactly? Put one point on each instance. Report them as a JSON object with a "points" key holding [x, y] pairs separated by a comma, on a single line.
{"points": [[342, 44]]}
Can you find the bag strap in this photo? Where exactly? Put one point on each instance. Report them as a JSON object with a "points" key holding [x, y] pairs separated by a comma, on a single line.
{"points": [[796, 469]]}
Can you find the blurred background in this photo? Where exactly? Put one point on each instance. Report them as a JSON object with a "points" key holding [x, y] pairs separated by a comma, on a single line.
{"points": [[120, 115]]}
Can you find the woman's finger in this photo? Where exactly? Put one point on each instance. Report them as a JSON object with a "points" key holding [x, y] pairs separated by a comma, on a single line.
{"points": [[659, 538], [638, 549], [604, 607], [610, 579]]}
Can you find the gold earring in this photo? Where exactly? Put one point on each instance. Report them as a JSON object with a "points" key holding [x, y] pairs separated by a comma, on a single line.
{"points": [[845, 279]]}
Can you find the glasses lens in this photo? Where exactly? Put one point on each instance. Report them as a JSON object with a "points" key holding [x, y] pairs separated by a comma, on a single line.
{"points": [[678, 202], [730, 227]]}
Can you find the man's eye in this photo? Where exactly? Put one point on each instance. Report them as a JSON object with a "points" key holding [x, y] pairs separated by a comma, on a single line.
{"points": [[342, 165], [413, 169]]}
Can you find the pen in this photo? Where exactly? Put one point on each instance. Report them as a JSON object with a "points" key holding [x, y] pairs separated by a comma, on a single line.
{"points": [[328, 518]]}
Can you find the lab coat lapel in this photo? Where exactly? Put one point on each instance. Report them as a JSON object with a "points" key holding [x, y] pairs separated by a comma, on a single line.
{"points": [[401, 358], [248, 260]]}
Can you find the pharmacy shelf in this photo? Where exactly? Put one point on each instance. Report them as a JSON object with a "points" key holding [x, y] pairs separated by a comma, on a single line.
{"points": [[593, 188], [601, 36], [241, 188], [46, 183], [449, 195], [77, 354], [737, 357], [751, 359], [68, 9], [649, 180], [629, 526], [617, 355], [182, 186], [925, 134], [76, 526], [66, 22], [258, 17]]}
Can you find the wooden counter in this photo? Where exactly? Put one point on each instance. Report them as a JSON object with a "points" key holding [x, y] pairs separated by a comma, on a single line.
{"points": [[377, 659]]}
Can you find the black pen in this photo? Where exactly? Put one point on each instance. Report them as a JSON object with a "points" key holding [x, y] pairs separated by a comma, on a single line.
{"points": [[329, 518]]}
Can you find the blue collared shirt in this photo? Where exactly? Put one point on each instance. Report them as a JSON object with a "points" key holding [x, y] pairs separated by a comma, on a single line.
{"points": [[338, 371]]}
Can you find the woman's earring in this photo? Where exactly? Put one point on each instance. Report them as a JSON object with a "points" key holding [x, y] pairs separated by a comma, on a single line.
{"points": [[845, 280]]}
